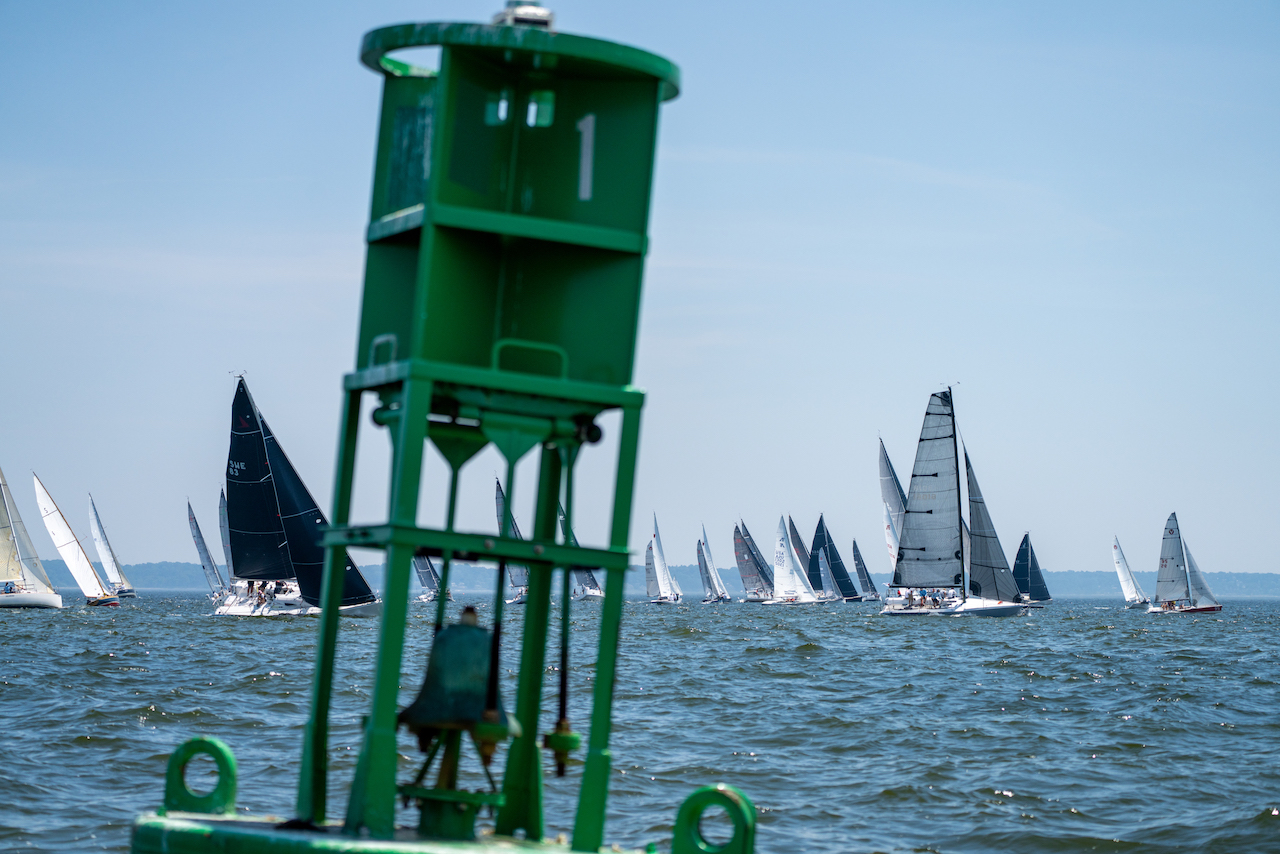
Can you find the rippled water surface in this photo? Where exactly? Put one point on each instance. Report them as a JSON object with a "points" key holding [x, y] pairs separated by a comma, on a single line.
{"points": [[1082, 727]]}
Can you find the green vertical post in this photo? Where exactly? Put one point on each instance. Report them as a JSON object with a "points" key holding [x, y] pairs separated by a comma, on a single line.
{"points": [[372, 802], [522, 783], [313, 779], [588, 826]]}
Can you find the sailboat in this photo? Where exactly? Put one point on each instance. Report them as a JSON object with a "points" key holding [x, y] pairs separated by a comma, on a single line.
{"points": [[517, 573], [869, 592], [217, 587], [23, 581], [274, 527], [944, 568], [1027, 574], [1133, 595], [1180, 586], [790, 583], [895, 505], [73, 554], [429, 579], [826, 568], [586, 587], [757, 576], [661, 585], [712, 583], [814, 566], [116, 579]]}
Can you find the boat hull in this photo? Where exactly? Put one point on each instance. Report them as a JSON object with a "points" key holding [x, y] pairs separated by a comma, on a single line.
{"points": [[896, 607], [126, 593], [665, 600], [1141, 604], [1203, 609], [104, 601], [239, 607], [30, 600]]}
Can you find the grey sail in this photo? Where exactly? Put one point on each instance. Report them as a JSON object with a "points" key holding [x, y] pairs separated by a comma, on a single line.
{"points": [[764, 567], [428, 577], [712, 573], [1171, 581], [518, 573], [747, 568], [930, 551], [802, 554], [891, 490], [989, 575], [582, 576], [864, 577], [1026, 572], [226, 533], [1201, 595], [210, 568]]}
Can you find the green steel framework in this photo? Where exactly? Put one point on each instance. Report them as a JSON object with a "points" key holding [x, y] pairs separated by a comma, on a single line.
{"points": [[501, 299]]}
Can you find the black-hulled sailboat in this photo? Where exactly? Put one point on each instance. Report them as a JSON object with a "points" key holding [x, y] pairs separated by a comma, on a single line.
{"points": [[945, 567], [274, 528], [1027, 574]]}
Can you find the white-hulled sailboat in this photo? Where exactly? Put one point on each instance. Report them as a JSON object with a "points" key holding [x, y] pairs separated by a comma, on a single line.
{"points": [[1133, 595], [23, 581], [585, 586], [1026, 571], [116, 579], [428, 579], [757, 580], [1180, 586], [660, 584], [217, 587], [790, 583], [944, 568], [77, 560], [712, 583], [517, 573]]}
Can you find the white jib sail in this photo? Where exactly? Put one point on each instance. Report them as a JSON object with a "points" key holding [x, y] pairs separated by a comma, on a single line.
{"points": [[716, 581], [789, 581], [1201, 595], [930, 553], [890, 536], [32, 571], [652, 587], [665, 578], [206, 560], [1129, 584], [829, 588], [10, 561], [895, 501], [1171, 581], [105, 553], [64, 539], [226, 534]]}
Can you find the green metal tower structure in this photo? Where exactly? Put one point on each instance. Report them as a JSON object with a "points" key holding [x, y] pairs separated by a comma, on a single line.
{"points": [[502, 289]]}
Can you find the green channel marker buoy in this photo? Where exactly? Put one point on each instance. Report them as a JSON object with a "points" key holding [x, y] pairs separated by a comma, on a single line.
{"points": [[501, 300]]}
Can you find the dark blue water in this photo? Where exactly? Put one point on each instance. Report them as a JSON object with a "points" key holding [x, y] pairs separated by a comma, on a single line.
{"points": [[1083, 727]]}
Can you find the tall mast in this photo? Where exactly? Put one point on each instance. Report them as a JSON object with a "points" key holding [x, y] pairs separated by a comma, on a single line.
{"points": [[955, 449]]}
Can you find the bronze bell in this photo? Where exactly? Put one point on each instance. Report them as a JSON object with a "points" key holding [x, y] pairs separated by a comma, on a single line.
{"points": [[454, 691]]}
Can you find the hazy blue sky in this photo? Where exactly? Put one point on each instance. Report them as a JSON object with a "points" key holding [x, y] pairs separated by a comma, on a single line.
{"points": [[1070, 212]]}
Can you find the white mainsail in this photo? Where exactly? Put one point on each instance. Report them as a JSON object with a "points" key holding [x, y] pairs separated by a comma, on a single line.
{"points": [[115, 573], [1129, 584], [666, 581], [711, 580], [1201, 595], [790, 582], [226, 534], [1171, 581], [830, 590], [19, 562], [64, 539], [930, 551], [210, 568]]}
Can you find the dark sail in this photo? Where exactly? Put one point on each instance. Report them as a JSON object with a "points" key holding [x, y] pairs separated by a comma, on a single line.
{"points": [[802, 554], [1026, 571], [253, 518], [426, 570], [751, 580], [763, 567], [864, 577], [822, 542], [582, 576], [303, 525]]}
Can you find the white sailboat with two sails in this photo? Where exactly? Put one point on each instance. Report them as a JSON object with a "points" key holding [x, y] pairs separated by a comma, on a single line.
{"points": [[73, 554], [946, 567], [1134, 598], [23, 581], [660, 584], [712, 583], [1180, 585]]}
